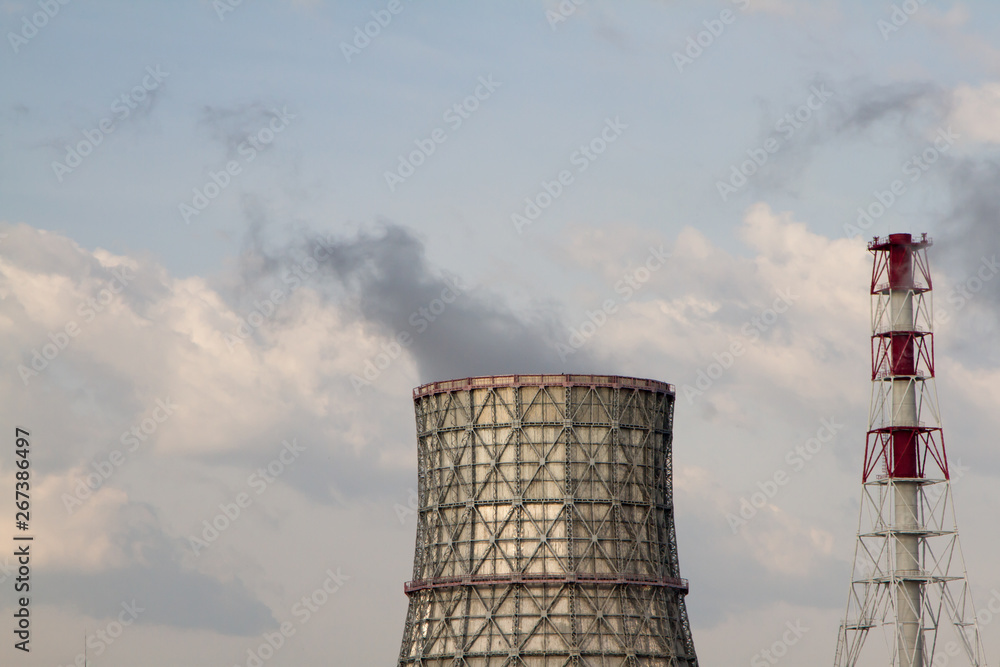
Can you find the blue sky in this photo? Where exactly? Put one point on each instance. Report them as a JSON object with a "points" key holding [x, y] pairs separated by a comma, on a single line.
{"points": [[353, 119], [878, 98]]}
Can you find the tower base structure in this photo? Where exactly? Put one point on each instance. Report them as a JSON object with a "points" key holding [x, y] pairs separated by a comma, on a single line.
{"points": [[545, 535]]}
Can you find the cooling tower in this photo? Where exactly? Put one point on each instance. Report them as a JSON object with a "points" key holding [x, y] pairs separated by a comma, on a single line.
{"points": [[545, 534]]}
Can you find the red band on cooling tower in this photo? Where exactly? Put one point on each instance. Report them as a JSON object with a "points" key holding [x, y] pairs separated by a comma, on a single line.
{"points": [[412, 587]]}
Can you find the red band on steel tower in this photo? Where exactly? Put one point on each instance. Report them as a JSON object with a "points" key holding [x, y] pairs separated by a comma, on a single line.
{"points": [[909, 572], [902, 359]]}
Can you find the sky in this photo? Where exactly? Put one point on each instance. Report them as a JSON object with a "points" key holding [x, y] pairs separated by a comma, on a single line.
{"points": [[234, 236]]}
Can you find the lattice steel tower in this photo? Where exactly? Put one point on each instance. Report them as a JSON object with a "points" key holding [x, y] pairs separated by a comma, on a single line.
{"points": [[546, 529], [909, 572]]}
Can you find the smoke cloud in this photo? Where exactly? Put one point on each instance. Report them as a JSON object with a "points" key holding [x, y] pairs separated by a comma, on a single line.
{"points": [[382, 276], [230, 126], [904, 115], [910, 106]]}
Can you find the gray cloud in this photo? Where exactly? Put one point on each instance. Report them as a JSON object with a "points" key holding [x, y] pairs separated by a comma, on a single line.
{"points": [[725, 582], [169, 593], [903, 115], [898, 113], [972, 224], [169, 596], [383, 276], [907, 113], [908, 105], [230, 126]]}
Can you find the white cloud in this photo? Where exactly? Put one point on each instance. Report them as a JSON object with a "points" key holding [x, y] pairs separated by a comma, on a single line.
{"points": [[166, 337], [163, 341], [706, 299], [90, 540], [976, 113], [952, 26]]}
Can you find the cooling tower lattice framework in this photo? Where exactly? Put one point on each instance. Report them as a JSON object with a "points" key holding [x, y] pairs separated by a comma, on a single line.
{"points": [[546, 530]]}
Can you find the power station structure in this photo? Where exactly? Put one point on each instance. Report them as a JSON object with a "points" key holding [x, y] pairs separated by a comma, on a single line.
{"points": [[545, 532], [909, 572]]}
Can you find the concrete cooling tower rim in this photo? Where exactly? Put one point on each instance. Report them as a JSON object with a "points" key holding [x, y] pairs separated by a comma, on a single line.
{"points": [[485, 381]]}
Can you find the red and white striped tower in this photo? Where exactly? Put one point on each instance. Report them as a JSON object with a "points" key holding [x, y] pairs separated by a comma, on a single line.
{"points": [[909, 572]]}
